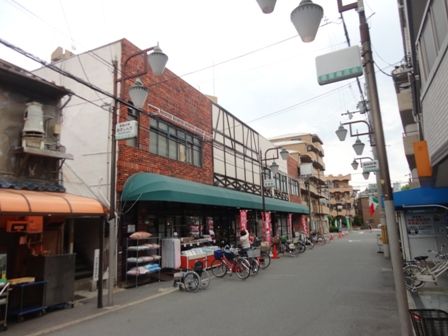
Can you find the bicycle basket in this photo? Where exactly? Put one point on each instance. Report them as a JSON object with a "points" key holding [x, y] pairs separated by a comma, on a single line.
{"points": [[429, 322], [218, 254], [229, 255], [253, 252]]}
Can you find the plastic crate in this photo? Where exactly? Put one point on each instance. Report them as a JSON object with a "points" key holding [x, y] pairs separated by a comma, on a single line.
{"points": [[218, 254], [429, 322]]}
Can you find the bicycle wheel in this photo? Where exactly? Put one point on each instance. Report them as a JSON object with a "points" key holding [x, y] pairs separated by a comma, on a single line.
{"points": [[264, 260], [191, 281], [205, 279], [242, 268], [301, 247], [254, 266], [219, 269], [410, 277]]}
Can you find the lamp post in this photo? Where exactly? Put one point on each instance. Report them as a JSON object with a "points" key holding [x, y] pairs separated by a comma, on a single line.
{"points": [[358, 146], [138, 93], [379, 141], [283, 154]]}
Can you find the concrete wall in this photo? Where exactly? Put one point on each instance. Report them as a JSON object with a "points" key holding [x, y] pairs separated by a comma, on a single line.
{"points": [[86, 126]]}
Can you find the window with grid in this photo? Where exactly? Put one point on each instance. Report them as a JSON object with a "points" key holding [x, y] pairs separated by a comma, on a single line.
{"points": [[175, 143]]}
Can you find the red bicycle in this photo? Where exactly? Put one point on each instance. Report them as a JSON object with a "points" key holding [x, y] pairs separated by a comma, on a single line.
{"points": [[227, 261]]}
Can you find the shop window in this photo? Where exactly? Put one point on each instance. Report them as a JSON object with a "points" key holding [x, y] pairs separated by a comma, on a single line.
{"points": [[174, 143]]}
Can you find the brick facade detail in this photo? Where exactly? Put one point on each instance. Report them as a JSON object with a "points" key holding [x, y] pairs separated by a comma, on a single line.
{"points": [[171, 94]]}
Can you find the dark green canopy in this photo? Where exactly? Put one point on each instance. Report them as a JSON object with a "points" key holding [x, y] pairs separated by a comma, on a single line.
{"points": [[153, 187]]}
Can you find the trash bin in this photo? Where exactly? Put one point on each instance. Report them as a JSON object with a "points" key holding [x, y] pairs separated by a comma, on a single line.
{"points": [[428, 322]]}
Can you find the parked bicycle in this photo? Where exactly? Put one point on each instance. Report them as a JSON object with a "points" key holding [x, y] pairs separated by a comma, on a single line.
{"points": [[288, 247], [227, 261], [318, 238], [251, 255], [301, 242], [421, 271], [264, 259]]}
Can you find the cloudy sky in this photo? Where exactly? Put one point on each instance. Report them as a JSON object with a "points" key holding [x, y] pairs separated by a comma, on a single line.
{"points": [[254, 63]]}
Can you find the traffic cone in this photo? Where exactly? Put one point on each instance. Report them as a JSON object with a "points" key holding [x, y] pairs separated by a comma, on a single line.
{"points": [[275, 252]]}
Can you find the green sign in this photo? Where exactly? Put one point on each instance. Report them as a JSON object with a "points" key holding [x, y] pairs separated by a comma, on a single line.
{"points": [[340, 75]]}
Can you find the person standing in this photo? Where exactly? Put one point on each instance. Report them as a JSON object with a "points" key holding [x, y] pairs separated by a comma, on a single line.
{"points": [[244, 242]]}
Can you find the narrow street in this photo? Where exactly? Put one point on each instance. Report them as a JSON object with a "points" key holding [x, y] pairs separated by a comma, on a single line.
{"points": [[342, 288]]}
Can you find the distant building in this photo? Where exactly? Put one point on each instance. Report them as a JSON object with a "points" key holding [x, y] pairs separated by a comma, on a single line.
{"points": [[342, 199], [309, 152]]}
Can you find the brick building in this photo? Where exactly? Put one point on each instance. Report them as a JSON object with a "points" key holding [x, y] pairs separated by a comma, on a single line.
{"points": [[192, 167]]}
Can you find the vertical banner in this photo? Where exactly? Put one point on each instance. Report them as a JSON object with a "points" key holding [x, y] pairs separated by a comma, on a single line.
{"points": [[267, 227], [243, 220], [304, 222], [289, 226]]}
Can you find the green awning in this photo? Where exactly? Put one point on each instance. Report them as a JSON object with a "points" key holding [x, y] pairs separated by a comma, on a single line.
{"points": [[153, 187]]}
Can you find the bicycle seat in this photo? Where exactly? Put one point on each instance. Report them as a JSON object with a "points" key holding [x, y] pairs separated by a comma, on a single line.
{"points": [[421, 258]]}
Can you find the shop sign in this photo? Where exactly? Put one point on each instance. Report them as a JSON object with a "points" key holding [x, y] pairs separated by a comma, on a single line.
{"points": [[339, 65], [370, 166], [126, 130], [269, 183], [96, 264]]}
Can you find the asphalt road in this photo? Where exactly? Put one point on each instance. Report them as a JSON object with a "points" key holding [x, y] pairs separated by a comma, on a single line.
{"points": [[342, 288]]}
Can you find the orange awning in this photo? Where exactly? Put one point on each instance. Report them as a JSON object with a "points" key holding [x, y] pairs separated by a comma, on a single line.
{"points": [[47, 203]]}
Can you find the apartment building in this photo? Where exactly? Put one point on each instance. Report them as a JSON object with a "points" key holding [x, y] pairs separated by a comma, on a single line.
{"points": [[307, 149], [342, 200]]}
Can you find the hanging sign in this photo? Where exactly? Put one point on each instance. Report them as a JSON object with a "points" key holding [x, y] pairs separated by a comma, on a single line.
{"points": [[339, 65], [269, 183], [370, 166], [126, 130]]}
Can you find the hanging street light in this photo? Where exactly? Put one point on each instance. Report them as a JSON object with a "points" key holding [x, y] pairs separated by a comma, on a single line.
{"points": [[274, 168], [267, 6], [358, 146], [306, 19], [157, 60], [138, 93], [284, 154], [341, 132], [366, 175], [355, 164]]}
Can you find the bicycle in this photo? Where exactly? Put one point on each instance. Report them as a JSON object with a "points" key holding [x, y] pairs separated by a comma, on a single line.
{"points": [[420, 271], [227, 261], [264, 258], [289, 248], [251, 256], [318, 238]]}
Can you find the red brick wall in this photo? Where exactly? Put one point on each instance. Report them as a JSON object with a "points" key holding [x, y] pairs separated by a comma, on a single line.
{"points": [[293, 172], [175, 96]]}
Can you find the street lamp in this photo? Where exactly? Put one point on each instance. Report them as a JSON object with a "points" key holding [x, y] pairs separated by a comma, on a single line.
{"points": [[382, 154], [283, 154], [267, 6], [138, 93], [355, 163], [358, 146]]}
